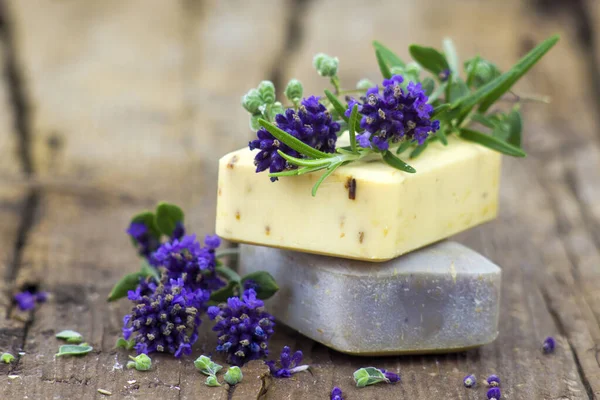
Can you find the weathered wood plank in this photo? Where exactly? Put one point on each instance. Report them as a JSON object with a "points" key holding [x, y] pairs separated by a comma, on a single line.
{"points": [[122, 118]]}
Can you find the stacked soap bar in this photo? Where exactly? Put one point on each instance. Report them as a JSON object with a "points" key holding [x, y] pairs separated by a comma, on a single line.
{"points": [[365, 210], [442, 297]]}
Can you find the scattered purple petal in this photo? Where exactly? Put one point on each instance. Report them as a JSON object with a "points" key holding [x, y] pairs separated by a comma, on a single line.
{"points": [[494, 393], [549, 345], [470, 381], [27, 300], [336, 394], [391, 377], [493, 380], [289, 364]]}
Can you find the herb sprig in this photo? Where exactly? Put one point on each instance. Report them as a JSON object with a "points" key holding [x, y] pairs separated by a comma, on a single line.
{"points": [[408, 113]]}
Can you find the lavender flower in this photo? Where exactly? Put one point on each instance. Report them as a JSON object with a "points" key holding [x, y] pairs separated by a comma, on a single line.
{"points": [[390, 376], [492, 380], [167, 320], [185, 258], [549, 345], [312, 124], [144, 240], [336, 394], [289, 364], [469, 381], [494, 393], [26, 300], [244, 328], [394, 114]]}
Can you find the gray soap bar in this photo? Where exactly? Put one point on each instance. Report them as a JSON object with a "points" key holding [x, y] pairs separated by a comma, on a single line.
{"points": [[441, 298]]}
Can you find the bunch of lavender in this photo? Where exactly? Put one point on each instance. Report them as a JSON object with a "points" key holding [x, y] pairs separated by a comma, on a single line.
{"points": [[243, 327], [407, 112]]}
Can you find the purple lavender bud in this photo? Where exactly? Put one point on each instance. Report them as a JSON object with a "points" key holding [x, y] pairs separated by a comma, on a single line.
{"points": [[469, 381], [243, 328], [290, 364], [493, 380], [144, 240], [25, 300], [394, 114], [311, 124], [549, 345], [336, 394], [392, 377], [444, 75], [494, 393]]}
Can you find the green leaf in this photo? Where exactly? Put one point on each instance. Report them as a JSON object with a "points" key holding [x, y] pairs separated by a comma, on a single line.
{"points": [[130, 281], [368, 376], [451, 55], [337, 105], [429, 58], [388, 55], [437, 92], [418, 150], [304, 162], [383, 67], [233, 376], [267, 286], [441, 134], [515, 123], [221, 295], [212, 381], [457, 89], [228, 273], [147, 218], [7, 358], [491, 142], [393, 161], [140, 362], [125, 344], [73, 350], [167, 217], [292, 142], [439, 109], [330, 170], [404, 146], [483, 120], [70, 336], [428, 86], [298, 171], [205, 365], [471, 69], [486, 95], [352, 124]]}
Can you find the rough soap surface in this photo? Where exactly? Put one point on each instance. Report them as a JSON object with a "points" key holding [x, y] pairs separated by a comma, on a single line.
{"points": [[444, 297], [365, 210]]}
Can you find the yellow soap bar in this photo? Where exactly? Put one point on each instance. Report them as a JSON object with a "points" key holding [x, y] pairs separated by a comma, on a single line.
{"points": [[365, 210]]}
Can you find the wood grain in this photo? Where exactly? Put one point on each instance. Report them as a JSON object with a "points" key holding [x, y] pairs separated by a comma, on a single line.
{"points": [[134, 102]]}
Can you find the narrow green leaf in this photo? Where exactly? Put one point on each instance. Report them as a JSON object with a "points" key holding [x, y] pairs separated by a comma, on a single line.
{"points": [[228, 273], [439, 109], [297, 171], [437, 92], [491, 142], [429, 58], [428, 86], [451, 55], [418, 150], [393, 161], [483, 120], [304, 162], [73, 350], [492, 91], [471, 69], [388, 55], [149, 270], [70, 336], [515, 123], [383, 67], [441, 134], [457, 89], [329, 171], [266, 285], [130, 282], [292, 142], [221, 295], [351, 125], [404, 146], [167, 217], [337, 105]]}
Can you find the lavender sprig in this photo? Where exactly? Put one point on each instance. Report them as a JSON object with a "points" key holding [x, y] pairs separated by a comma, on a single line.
{"points": [[289, 364]]}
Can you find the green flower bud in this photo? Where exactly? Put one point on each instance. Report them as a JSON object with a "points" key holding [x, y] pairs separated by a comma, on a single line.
{"points": [[267, 92], [326, 65], [276, 108], [485, 71], [254, 125], [141, 362], [411, 72], [205, 365], [8, 358], [212, 381], [396, 70], [251, 101], [294, 90], [233, 376], [364, 84]]}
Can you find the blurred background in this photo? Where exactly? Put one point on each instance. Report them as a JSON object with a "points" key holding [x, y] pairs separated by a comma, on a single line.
{"points": [[107, 107]]}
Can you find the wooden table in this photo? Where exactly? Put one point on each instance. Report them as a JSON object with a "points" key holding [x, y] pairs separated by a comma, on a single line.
{"points": [[107, 107]]}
